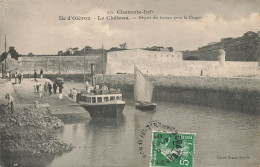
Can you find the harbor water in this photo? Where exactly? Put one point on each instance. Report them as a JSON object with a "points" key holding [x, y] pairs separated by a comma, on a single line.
{"points": [[114, 141]]}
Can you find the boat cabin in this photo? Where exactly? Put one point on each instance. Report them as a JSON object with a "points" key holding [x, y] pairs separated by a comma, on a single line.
{"points": [[103, 98]]}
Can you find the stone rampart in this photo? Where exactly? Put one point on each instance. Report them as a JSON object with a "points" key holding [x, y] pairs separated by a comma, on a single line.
{"points": [[124, 62], [245, 48], [57, 64]]}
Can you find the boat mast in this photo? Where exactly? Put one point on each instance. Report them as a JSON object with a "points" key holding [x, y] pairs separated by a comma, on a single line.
{"points": [[60, 65], [5, 53], [103, 61], [84, 68]]}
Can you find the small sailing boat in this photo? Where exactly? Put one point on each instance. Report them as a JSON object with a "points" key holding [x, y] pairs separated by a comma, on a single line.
{"points": [[143, 91]]}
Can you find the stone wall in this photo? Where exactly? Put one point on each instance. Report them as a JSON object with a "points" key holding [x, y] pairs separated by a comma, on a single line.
{"points": [[153, 62], [123, 62], [56, 64], [11, 65]]}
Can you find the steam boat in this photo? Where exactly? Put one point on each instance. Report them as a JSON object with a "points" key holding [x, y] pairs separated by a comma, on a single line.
{"points": [[102, 104]]}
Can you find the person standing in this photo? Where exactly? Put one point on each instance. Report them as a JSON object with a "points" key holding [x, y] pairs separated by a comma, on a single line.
{"points": [[50, 88], [60, 88], [8, 76], [10, 103], [20, 78], [15, 77], [87, 85], [35, 75], [45, 88], [54, 88], [41, 73], [40, 90], [37, 86], [60, 91]]}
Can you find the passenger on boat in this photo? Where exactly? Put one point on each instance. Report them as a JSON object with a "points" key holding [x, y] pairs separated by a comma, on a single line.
{"points": [[87, 85], [90, 89]]}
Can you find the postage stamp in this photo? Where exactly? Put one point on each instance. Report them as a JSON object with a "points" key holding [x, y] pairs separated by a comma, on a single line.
{"points": [[175, 150]]}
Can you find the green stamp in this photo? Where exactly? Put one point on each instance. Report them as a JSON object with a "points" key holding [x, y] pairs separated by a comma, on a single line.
{"points": [[174, 150]]}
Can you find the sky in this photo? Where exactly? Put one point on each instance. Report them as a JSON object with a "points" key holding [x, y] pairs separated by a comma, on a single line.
{"points": [[34, 25]]}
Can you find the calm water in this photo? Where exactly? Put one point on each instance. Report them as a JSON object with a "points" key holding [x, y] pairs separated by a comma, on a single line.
{"points": [[113, 142]]}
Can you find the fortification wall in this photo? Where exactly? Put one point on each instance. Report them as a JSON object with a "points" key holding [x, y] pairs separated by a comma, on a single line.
{"points": [[245, 48], [171, 63], [148, 61], [56, 64]]}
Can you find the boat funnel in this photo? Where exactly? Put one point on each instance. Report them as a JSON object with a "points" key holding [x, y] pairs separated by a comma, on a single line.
{"points": [[93, 72]]}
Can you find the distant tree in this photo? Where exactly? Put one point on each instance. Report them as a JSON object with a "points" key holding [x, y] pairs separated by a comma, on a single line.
{"points": [[114, 49], [14, 53], [158, 48], [123, 46], [88, 48], [30, 54], [170, 49], [3, 56], [67, 52], [85, 49], [60, 52], [75, 49]]}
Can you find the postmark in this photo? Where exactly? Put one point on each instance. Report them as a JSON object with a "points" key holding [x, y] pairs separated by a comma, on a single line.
{"points": [[172, 149], [151, 126]]}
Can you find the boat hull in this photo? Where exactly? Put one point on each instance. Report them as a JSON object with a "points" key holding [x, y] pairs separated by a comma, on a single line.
{"points": [[146, 106], [105, 110]]}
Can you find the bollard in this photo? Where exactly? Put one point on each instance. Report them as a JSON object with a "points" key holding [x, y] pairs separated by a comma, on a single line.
{"points": [[36, 104]]}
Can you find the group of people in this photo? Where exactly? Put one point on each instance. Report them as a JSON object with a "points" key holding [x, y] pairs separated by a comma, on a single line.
{"points": [[47, 87], [35, 74], [18, 77]]}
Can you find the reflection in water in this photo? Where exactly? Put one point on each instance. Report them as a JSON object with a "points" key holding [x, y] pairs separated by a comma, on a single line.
{"points": [[110, 123], [23, 160], [105, 135]]}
